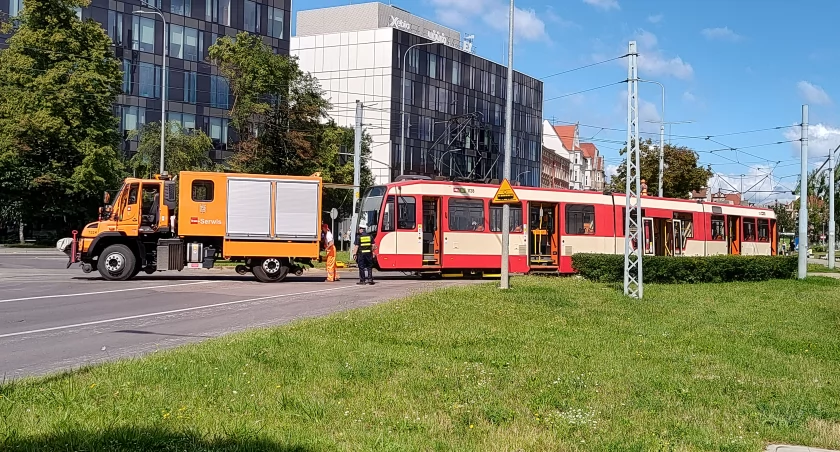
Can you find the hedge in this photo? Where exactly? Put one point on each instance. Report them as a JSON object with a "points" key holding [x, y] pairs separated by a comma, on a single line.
{"points": [[683, 269]]}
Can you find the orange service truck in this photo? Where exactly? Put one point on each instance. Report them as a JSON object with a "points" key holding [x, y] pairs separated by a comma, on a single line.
{"points": [[270, 224]]}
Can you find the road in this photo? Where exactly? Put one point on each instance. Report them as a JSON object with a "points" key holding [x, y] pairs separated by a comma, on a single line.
{"points": [[53, 318]]}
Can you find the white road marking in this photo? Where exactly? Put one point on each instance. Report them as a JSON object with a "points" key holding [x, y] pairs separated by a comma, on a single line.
{"points": [[104, 291], [174, 311]]}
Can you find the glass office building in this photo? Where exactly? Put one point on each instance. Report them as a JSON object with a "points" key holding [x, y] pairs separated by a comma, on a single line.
{"points": [[197, 96]]}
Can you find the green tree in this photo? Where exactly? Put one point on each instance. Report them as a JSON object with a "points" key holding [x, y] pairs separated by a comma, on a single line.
{"points": [[58, 133], [185, 150], [338, 169], [784, 219], [682, 175]]}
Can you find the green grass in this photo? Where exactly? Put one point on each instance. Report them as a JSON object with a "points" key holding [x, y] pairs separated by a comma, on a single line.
{"points": [[552, 364], [820, 268]]}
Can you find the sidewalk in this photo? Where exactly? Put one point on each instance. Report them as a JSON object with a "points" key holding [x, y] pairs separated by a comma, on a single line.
{"points": [[50, 251], [787, 448]]}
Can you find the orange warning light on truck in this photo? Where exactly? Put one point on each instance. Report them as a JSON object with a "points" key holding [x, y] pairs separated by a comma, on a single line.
{"points": [[270, 224]]}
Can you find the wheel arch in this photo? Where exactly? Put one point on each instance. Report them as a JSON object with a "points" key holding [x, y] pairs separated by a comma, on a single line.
{"points": [[107, 239]]}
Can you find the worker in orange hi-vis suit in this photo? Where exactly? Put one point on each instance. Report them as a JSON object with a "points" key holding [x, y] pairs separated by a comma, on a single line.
{"points": [[329, 246]]}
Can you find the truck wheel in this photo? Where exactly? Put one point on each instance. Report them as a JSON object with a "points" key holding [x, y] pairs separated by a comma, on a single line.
{"points": [[271, 269], [116, 263]]}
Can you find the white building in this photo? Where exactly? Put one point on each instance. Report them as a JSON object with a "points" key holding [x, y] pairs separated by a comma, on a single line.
{"points": [[356, 53]]}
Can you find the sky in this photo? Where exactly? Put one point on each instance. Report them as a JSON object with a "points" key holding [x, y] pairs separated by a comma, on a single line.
{"points": [[736, 74]]}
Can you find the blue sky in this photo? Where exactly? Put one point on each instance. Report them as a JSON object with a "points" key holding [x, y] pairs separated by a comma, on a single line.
{"points": [[729, 66]]}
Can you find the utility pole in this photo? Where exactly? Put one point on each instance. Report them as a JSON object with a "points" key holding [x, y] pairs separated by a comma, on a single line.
{"points": [[803, 197], [357, 171], [633, 232], [505, 278], [831, 225], [661, 135], [164, 87]]}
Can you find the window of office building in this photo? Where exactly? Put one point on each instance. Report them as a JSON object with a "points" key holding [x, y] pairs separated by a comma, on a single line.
{"points": [[132, 118], [115, 27], [149, 80], [432, 65], [217, 11], [218, 130], [186, 120], [182, 7], [252, 17], [127, 76], [143, 34], [276, 18], [15, 6], [185, 43], [189, 86], [219, 91], [456, 73]]}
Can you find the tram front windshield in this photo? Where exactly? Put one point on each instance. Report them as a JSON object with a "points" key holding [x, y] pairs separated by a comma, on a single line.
{"points": [[371, 205]]}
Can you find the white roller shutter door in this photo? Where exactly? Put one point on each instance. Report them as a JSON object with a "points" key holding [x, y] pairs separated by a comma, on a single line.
{"points": [[249, 208], [297, 205]]}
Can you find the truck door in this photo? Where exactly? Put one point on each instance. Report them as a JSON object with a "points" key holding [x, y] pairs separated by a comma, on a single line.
{"points": [[150, 207], [129, 213]]}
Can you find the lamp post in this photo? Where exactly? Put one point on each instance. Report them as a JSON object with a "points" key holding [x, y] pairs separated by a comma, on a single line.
{"points": [[520, 174], [402, 105], [661, 135], [163, 87]]}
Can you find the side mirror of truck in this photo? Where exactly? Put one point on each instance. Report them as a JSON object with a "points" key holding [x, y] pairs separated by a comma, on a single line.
{"points": [[107, 197]]}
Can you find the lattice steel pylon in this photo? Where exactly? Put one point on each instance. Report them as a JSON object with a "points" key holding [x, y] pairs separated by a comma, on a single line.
{"points": [[634, 233]]}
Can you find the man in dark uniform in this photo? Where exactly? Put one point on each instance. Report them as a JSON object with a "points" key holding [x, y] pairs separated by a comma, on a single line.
{"points": [[363, 249]]}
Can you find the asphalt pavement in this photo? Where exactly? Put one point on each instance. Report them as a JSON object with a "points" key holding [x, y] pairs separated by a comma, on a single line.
{"points": [[53, 318]]}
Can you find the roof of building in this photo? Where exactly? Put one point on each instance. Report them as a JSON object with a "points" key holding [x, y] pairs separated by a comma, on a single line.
{"points": [[699, 194], [589, 150], [567, 136]]}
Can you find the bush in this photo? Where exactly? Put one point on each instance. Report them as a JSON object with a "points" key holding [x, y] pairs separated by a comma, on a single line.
{"points": [[669, 270]]}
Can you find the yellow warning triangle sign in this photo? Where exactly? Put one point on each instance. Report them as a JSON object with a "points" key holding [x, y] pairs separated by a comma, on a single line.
{"points": [[505, 194]]}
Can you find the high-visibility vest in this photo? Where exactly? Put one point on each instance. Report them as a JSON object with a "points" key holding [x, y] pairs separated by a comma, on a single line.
{"points": [[365, 244]]}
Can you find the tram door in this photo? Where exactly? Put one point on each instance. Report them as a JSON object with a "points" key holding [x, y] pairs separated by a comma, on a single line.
{"points": [[734, 234], [649, 236], [678, 237], [431, 232], [543, 250]]}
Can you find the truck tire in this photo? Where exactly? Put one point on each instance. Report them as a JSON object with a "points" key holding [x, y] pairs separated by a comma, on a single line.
{"points": [[116, 263], [270, 269]]}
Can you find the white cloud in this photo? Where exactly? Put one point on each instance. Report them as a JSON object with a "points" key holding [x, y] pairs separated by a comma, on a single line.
{"points": [[721, 33], [688, 96], [656, 18], [653, 61], [813, 94], [606, 5], [821, 138], [494, 13], [610, 171], [559, 20]]}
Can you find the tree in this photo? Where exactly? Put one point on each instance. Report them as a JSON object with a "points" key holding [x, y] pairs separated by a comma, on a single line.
{"points": [[682, 173], [280, 115], [185, 150], [58, 133], [784, 219]]}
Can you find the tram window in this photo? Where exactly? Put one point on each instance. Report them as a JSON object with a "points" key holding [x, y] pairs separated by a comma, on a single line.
{"points": [[749, 230], [763, 230], [388, 215], [687, 221], [466, 215], [580, 219], [718, 229], [407, 213], [496, 219]]}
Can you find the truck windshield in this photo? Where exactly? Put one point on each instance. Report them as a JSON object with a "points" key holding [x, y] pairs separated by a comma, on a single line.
{"points": [[371, 205]]}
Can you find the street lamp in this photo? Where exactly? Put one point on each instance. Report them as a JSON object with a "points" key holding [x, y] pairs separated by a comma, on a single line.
{"points": [[163, 87], [661, 135], [520, 174], [402, 106]]}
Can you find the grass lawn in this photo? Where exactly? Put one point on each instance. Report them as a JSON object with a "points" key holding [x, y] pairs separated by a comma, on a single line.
{"points": [[820, 268], [553, 364]]}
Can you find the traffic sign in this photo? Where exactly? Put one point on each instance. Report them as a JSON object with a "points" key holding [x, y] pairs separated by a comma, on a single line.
{"points": [[334, 213], [505, 194]]}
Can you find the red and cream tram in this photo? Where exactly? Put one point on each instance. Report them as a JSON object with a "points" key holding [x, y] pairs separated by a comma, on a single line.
{"points": [[454, 228]]}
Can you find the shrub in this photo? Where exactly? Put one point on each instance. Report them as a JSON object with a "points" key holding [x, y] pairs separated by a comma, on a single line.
{"points": [[678, 269]]}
